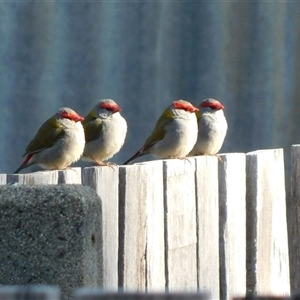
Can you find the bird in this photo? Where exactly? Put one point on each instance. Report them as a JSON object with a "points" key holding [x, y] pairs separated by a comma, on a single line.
{"points": [[174, 134], [105, 132], [212, 128], [58, 143]]}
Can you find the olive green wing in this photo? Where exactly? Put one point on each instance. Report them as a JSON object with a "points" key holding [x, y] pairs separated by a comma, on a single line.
{"points": [[198, 114], [50, 132], [158, 132], [92, 128]]}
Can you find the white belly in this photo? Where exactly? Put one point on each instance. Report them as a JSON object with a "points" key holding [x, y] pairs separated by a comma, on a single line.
{"points": [[65, 151], [179, 139], [109, 142]]}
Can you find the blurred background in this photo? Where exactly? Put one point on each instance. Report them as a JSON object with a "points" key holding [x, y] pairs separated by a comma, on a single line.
{"points": [[145, 55]]}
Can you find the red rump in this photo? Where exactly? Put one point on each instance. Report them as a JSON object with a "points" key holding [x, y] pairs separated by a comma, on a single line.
{"points": [[27, 159], [213, 104], [185, 105], [110, 106], [71, 116]]}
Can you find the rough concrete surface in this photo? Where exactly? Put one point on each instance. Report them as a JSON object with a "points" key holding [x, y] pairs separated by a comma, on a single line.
{"points": [[50, 235]]}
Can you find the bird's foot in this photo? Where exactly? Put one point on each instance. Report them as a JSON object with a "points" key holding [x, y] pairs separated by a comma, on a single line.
{"points": [[102, 163], [183, 158], [65, 169], [206, 154], [186, 159], [219, 157], [176, 157], [111, 165]]}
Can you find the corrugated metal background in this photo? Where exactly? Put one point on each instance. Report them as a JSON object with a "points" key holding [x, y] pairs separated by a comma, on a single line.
{"points": [[144, 55]]}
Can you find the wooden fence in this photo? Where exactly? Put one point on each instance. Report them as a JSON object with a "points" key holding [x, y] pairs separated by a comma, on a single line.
{"points": [[202, 223]]}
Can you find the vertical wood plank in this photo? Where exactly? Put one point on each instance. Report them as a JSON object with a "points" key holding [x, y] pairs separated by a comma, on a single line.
{"points": [[232, 226], [207, 195], [97, 294], [267, 245], [141, 255], [3, 179], [294, 220], [266, 297], [155, 254], [70, 176], [42, 177], [105, 181], [180, 218]]}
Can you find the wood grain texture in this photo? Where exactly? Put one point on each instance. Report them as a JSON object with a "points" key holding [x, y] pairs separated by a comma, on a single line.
{"points": [[105, 181], [43, 177], [95, 294], [3, 179], [69, 176], [207, 203], [232, 226], [141, 248], [181, 227], [294, 221], [267, 245]]}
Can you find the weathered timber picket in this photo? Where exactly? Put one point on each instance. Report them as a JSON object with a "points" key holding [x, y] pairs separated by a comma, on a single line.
{"points": [[105, 181], [232, 224], [207, 206], [214, 224], [141, 223], [267, 251], [180, 224], [69, 176], [98, 294], [294, 234]]}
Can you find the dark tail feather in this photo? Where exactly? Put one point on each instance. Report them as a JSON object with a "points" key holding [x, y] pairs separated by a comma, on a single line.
{"points": [[136, 155], [19, 169]]}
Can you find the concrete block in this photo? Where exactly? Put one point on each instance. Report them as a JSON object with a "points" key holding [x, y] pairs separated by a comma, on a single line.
{"points": [[50, 234]]}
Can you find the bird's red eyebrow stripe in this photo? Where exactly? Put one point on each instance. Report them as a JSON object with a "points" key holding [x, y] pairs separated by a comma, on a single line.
{"points": [[185, 106], [110, 106], [213, 105], [72, 116]]}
